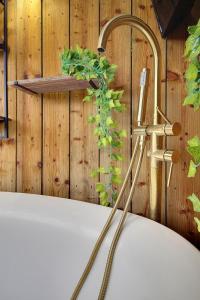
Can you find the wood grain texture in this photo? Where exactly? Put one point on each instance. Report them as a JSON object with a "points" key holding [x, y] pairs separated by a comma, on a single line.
{"points": [[179, 209], [55, 106], [84, 31], [54, 134], [8, 147], [28, 107], [118, 51]]}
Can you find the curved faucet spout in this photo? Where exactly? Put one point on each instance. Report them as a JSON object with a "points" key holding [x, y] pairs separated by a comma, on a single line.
{"points": [[148, 33], [131, 21]]}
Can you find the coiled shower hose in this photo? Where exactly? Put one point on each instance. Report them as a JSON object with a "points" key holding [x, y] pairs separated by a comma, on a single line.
{"points": [[140, 141]]}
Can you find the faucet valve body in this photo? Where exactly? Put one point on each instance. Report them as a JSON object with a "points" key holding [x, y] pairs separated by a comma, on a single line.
{"points": [[160, 129]]}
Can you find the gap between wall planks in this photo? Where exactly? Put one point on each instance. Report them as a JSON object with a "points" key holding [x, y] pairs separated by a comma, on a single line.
{"points": [[55, 27], [84, 155], [29, 121], [8, 147], [36, 157]]}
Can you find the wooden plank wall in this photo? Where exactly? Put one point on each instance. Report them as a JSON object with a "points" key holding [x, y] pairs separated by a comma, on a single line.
{"points": [[52, 149]]}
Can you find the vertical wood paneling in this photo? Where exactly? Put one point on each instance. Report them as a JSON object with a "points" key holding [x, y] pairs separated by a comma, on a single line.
{"points": [[55, 106], [179, 210], [142, 56], [8, 147], [48, 132], [28, 107], [118, 51], [84, 31]]}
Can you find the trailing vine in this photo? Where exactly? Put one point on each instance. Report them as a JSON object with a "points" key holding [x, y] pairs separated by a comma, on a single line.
{"points": [[192, 53], [84, 64]]}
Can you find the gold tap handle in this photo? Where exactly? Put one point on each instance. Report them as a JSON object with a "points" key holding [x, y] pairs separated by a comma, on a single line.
{"points": [[172, 157], [167, 156], [170, 174]]}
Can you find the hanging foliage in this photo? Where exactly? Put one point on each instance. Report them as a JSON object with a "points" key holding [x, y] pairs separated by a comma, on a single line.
{"points": [[192, 75], [84, 64], [192, 53]]}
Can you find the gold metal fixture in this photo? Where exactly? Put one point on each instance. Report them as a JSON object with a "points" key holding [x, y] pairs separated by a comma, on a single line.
{"points": [[154, 130], [156, 155]]}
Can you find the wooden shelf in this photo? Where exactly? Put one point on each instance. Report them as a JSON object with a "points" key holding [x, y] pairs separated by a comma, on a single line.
{"points": [[46, 85]]}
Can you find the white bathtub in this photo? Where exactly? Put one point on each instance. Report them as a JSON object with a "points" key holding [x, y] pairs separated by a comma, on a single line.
{"points": [[45, 243]]}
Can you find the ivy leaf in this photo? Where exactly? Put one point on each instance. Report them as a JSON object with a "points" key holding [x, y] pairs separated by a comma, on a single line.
{"points": [[195, 201], [109, 121], [194, 148], [87, 99], [91, 92], [116, 144], [198, 223], [114, 195], [192, 29], [104, 202], [109, 138], [115, 171], [100, 187], [116, 179], [109, 93], [104, 142], [192, 169], [97, 118], [117, 156], [104, 199], [192, 72], [101, 170], [91, 119], [123, 133], [192, 99], [111, 103], [94, 173]]}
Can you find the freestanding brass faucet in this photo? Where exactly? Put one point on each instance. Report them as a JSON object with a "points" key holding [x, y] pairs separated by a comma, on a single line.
{"points": [[155, 129], [155, 154]]}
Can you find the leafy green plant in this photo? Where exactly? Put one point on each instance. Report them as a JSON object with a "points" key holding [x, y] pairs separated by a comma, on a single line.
{"points": [[192, 53], [194, 150], [84, 64], [192, 75], [196, 206]]}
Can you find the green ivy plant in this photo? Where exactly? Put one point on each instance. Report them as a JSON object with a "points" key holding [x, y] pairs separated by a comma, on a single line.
{"points": [[192, 53], [84, 64]]}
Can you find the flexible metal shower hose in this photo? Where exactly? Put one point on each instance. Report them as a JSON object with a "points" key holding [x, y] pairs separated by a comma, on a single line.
{"points": [[139, 140], [119, 229]]}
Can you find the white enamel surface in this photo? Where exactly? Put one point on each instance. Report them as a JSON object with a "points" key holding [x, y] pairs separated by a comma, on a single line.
{"points": [[45, 243]]}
